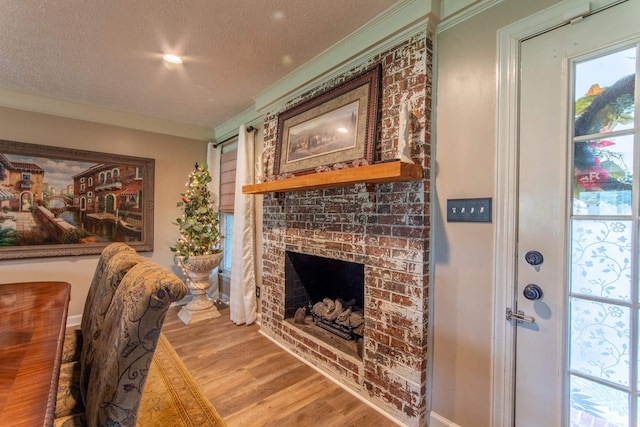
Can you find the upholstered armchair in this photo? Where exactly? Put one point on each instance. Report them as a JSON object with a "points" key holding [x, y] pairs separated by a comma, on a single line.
{"points": [[114, 264], [125, 347], [72, 347]]}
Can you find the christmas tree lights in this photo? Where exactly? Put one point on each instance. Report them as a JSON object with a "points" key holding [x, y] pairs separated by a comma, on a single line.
{"points": [[199, 233]]}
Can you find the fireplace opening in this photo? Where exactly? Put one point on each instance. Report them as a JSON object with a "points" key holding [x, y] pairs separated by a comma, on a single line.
{"points": [[326, 293]]}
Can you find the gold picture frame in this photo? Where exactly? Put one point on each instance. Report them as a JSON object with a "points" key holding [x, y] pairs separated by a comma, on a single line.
{"points": [[59, 201]]}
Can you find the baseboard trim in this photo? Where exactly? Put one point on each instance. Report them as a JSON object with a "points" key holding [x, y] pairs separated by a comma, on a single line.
{"points": [[436, 420], [329, 377], [74, 320]]}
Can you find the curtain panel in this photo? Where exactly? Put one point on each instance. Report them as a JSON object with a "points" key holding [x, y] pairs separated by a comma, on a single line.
{"points": [[243, 304]]}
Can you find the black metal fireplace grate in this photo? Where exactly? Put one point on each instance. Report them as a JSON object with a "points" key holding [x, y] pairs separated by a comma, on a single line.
{"points": [[342, 318]]}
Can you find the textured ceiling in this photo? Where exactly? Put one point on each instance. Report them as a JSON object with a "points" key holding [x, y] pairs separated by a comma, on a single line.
{"points": [[108, 53]]}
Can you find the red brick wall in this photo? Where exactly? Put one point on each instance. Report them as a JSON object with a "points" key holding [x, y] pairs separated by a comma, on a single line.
{"points": [[383, 226]]}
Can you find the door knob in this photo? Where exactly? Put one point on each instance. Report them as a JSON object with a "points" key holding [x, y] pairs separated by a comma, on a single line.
{"points": [[534, 257], [532, 292]]}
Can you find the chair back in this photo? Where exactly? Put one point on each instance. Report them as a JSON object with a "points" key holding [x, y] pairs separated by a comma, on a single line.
{"points": [[72, 347], [96, 283], [127, 343], [117, 265]]}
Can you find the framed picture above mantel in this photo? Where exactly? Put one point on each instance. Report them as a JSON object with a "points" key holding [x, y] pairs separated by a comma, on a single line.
{"points": [[58, 201], [332, 129]]}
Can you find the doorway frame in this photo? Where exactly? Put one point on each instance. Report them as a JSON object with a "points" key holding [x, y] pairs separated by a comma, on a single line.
{"points": [[509, 41]]}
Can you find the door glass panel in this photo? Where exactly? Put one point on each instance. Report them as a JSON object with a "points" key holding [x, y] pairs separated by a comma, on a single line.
{"points": [[592, 402], [603, 175], [604, 102], [601, 259], [600, 340], [638, 367], [604, 93], [604, 377]]}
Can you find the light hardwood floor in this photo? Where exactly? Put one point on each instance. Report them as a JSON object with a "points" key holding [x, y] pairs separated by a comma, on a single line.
{"points": [[253, 382]]}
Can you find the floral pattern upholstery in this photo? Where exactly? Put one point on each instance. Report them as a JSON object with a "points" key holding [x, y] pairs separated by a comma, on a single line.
{"points": [[79, 420], [72, 347], [92, 320], [116, 260], [68, 397], [127, 343]]}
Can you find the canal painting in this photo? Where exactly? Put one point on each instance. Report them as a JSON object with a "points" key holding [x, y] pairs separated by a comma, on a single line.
{"points": [[56, 201]]}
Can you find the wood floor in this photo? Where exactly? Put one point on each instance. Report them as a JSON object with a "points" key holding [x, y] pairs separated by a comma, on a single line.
{"points": [[252, 382]]}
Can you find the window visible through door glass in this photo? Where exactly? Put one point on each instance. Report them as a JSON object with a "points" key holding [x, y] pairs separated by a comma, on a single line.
{"points": [[604, 109]]}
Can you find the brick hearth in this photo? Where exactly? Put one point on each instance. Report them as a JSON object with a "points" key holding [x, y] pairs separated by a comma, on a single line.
{"points": [[385, 227]]}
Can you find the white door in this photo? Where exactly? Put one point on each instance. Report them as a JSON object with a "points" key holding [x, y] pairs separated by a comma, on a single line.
{"points": [[577, 275]]}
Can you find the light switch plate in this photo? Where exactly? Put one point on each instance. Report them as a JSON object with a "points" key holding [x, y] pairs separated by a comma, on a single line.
{"points": [[469, 210]]}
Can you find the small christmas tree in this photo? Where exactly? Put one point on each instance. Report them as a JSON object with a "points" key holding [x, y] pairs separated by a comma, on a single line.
{"points": [[199, 234]]}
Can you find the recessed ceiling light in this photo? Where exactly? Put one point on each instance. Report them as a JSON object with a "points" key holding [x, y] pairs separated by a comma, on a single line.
{"points": [[172, 59]]}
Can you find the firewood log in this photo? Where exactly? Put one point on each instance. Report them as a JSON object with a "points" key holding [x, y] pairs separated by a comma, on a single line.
{"points": [[337, 309], [356, 319], [320, 309], [331, 305], [344, 316]]}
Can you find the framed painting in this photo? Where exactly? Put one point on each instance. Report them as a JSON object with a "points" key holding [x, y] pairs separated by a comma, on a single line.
{"points": [[59, 201], [333, 128]]}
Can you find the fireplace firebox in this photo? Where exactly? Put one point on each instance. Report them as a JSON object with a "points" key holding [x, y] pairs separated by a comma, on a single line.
{"points": [[330, 290]]}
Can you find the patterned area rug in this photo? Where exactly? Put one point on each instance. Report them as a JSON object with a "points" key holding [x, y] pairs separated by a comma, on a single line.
{"points": [[171, 396]]}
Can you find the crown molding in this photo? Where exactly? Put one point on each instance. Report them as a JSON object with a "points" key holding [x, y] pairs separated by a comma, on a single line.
{"points": [[461, 15], [249, 117], [396, 24], [57, 107]]}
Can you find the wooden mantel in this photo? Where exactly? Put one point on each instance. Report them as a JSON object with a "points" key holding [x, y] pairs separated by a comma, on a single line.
{"points": [[393, 171]]}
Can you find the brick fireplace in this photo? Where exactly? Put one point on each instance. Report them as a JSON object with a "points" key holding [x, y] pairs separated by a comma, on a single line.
{"points": [[382, 227]]}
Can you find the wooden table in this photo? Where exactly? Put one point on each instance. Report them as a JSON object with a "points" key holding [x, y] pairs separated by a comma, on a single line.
{"points": [[33, 317]]}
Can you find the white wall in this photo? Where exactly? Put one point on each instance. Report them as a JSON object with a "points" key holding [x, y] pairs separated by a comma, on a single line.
{"points": [[174, 160], [465, 150]]}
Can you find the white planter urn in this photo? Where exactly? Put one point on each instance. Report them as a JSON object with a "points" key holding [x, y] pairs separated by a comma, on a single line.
{"points": [[197, 269]]}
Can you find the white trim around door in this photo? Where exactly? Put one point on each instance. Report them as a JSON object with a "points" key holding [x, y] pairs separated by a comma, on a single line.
{"points": [[509, 39]]}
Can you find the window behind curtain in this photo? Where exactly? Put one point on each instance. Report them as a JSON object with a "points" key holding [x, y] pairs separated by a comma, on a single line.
{"points": [[227, 195], [227, 232], [227, 180]]}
